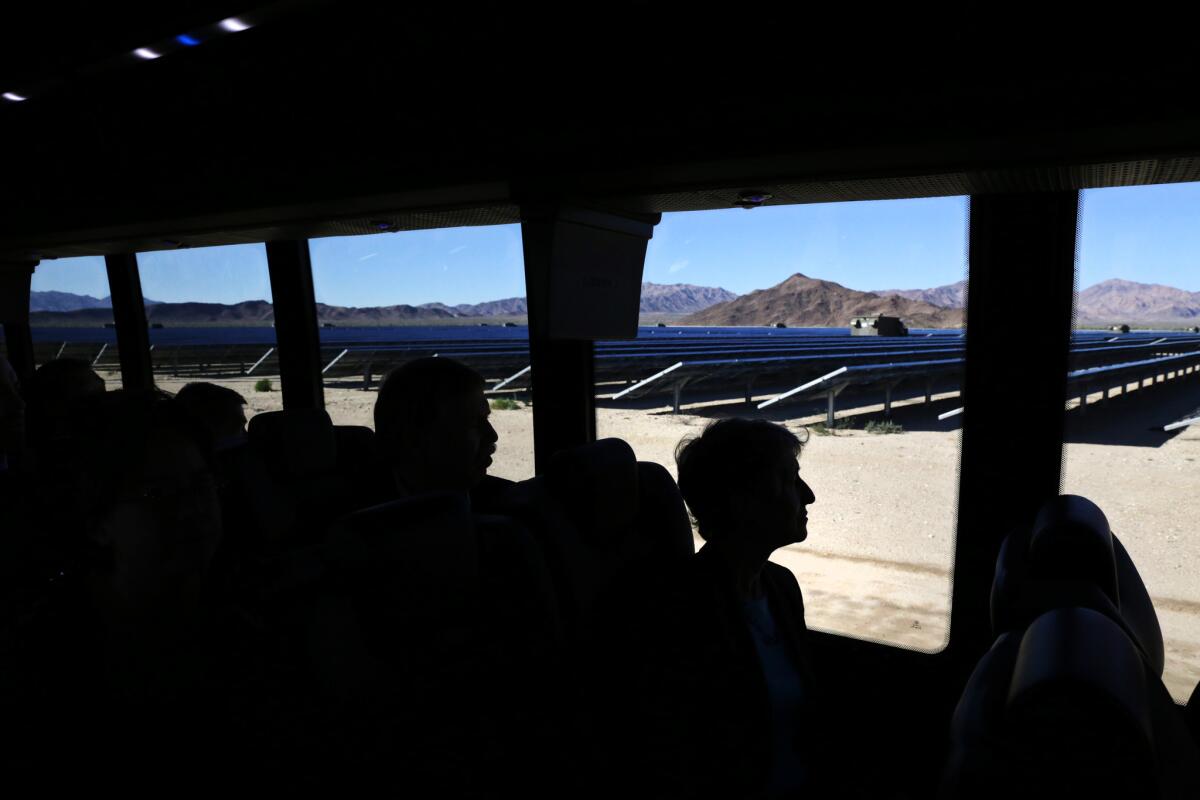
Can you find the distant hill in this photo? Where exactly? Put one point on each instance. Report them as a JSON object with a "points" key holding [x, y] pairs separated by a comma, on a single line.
{"points": [[673, 299], [953, 295], [803, 302], [66, 301], [1119, 300], [681, 298]]}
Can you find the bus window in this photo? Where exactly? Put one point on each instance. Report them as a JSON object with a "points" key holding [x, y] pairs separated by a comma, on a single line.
{"points": [[1133, 426], [211, 320], [388, 298], [70, 314], [843, 320]]}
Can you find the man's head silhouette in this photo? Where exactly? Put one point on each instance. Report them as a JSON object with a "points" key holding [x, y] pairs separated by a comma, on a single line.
{"points": [[432, 422]]}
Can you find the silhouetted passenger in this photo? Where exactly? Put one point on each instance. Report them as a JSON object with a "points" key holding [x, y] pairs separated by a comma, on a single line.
{"points": [[431, 420], [220, 409], [726, 702], [54, 398], [54, 394], [125, 666]]}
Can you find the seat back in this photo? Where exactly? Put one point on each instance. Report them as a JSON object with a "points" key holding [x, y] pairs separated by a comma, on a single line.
{"points": [[456, 609], [300, 450], [600, 517], [1062, 708], [1069, 557], [1070, 698]]}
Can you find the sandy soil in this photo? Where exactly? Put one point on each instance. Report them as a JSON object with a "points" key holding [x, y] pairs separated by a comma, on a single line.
{"points": [[878, 560]]}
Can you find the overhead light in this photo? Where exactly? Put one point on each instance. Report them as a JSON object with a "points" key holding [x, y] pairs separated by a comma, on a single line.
{"points": [[185, 39], [13, 97], [234, 25], [752, 198], [147, 53]]}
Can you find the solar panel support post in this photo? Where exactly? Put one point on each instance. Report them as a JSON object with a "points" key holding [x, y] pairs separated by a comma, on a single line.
{"points": [[298, 339], [831, 404], [677, 395], [129, 315], [887, 398], [928, 390]]}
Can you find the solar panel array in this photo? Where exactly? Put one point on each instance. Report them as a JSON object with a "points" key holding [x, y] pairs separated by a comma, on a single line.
{"points": [[779, 365]]}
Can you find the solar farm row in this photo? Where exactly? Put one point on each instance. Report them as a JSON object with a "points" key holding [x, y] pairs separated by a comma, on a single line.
{"points": [[785, 368]]}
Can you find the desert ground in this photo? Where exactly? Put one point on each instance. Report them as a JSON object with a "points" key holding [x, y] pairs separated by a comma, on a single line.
{"points": [[879, 558]]}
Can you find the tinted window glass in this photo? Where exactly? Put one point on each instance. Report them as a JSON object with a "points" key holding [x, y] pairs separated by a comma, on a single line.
{"points": [[843, 320]]}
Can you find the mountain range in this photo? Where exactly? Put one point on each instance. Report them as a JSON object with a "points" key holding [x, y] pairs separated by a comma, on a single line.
{"points": [[64, 308], [1108, 302], [953, 295], [1118, 300], [804, 302], [66, 301], [799, 301]]}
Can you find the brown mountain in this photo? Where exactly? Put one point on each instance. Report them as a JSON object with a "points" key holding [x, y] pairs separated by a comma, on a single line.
{"points": [[953, 295], [1127, 301], [803, 302]]}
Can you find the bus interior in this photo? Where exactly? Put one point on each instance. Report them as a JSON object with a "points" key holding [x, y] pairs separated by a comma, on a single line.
{"points": [[137, 135]]}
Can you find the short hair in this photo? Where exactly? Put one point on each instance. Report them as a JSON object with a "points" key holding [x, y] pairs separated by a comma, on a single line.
{"points": [[205, 396], [55, 392], [410, 395], [63, 380], [730, 455]]}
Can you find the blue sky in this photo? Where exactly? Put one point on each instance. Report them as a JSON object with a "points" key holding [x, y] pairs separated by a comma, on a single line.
{"points": [[1148, 234]]}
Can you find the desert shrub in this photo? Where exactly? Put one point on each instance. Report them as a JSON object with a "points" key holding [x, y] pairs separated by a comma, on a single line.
{"points": [[505, 404], [883, 426], [263, 385], [821, 429]]}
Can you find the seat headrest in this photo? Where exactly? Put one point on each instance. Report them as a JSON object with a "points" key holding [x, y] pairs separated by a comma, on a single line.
{"points": [[597, 484], [1065, 559], [295, 443], [1137, 609], [354, 442], [1071, 540], [663, 514]]}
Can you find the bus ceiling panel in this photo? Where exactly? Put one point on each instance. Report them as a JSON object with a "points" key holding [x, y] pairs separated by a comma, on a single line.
{"points": [[884, 186], [491, 204], [260, 226]]}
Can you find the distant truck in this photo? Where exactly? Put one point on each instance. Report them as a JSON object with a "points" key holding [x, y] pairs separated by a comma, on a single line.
{"points": [[877, 326]]}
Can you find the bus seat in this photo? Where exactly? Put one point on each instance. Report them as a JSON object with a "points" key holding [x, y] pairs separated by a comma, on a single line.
{"points": [[1060, 708], [355, 445], [299, 447], [664, 515], [457, 607], [359, 462], [600, 516], [1069, 557], [1137, 609], [598, 486], [295, 443]]}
